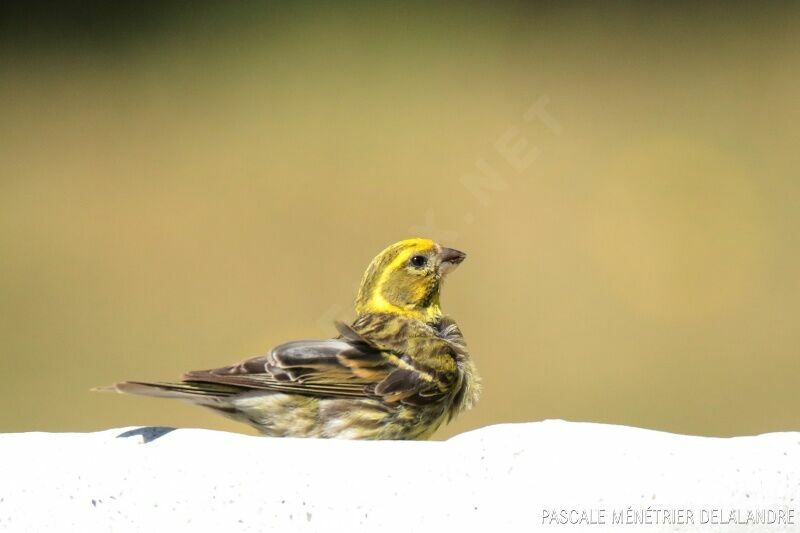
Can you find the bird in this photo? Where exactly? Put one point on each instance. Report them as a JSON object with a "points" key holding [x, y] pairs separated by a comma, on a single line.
{"points": [[398, 371]]}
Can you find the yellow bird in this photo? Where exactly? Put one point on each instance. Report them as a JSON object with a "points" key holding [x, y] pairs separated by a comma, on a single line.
{"points": [[398, 371]]}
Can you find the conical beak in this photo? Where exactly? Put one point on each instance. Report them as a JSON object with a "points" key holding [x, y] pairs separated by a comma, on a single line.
{"points": [[451, 258]]}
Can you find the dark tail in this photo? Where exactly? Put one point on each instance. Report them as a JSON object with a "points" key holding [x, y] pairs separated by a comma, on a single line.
{"points": [[208, 394]]}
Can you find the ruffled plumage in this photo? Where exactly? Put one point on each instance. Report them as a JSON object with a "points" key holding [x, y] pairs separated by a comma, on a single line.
{"points": [[397, 372]]}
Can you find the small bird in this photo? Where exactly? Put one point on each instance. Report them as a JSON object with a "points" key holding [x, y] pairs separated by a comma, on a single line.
{"points": [[398, 371]]}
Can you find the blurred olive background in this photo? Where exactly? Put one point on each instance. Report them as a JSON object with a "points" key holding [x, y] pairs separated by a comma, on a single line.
{"points": [[183, 185]]}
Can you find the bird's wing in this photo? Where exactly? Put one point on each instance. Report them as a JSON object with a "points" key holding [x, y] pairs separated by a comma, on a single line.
{"points": [[425, 367], [352, 366], [305, 367]]}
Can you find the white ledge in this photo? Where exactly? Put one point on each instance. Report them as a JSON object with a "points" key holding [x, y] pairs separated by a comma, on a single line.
{"points": [[513, 477]]}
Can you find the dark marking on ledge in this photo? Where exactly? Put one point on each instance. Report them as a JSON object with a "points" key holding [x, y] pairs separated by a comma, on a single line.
{"points": [[148, 434]]}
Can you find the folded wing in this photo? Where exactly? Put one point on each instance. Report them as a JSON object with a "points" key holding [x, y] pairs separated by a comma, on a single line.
{"points": [[351, 366]]}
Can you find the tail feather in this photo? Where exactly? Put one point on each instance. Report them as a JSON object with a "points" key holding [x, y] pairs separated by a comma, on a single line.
{"points": [[208, 394]]}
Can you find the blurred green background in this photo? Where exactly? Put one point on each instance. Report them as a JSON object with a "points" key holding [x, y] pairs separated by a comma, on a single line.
{"points": [[183, 185]]}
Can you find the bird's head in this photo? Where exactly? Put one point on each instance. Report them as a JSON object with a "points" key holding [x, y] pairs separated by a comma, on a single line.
{"points": [[406, 278]]}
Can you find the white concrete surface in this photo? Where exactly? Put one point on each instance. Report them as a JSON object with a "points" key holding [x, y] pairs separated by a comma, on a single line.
{"points": [[516, 477]]}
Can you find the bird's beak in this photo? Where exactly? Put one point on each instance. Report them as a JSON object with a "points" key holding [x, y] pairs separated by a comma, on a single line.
{"points": [[451, 258]]}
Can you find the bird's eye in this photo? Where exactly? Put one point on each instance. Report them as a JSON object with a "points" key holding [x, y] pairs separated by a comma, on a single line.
{"points": [[419, 261]]}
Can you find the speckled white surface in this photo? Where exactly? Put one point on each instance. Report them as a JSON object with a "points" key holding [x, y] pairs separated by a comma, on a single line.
{"points": [[520, 477]]}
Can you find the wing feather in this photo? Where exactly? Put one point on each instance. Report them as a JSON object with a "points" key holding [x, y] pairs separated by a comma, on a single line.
{"points": [[378, 357]]}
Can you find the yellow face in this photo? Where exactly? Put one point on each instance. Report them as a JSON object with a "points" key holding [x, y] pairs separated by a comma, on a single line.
{"points": [[406, 278]]}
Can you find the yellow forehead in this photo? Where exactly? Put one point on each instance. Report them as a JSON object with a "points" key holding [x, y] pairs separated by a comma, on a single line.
{"points": [[413, 246], [400, 251]]}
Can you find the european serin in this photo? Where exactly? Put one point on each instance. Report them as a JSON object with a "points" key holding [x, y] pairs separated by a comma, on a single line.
{"points": [[397, 372]]}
